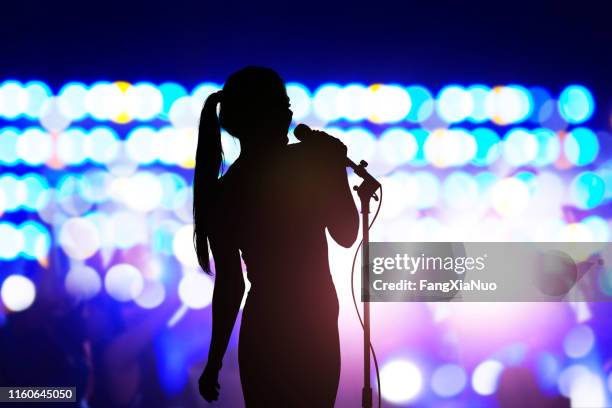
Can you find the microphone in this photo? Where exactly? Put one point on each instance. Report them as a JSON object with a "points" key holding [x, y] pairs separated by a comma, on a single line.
{"points": [[302, 132]]}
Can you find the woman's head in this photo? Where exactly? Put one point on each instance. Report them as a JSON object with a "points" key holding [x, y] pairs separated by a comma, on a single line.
{"points": [[254, 108]]}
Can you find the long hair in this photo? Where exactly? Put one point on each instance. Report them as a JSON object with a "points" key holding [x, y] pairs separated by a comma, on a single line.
{"points": [[209, 156]]}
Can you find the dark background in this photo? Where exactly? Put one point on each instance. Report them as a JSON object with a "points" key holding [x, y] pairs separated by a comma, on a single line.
{"points": [[493, 42]]}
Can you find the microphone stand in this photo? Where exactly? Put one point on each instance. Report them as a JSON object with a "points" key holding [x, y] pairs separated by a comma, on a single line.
{"points": [[365, 191]]}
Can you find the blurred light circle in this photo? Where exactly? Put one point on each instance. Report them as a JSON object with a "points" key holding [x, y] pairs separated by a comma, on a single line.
{"points": [[183, 246], [324, 102], [460, 190], [549, 147], [69, 195], [401, 381], [520, 147], [18, 293], [201, 92], [11, 241], [487, 146], [105, 101], [143, 101], [576, 104], [510, 197], [588, 391], [71, 146], [83, 282], [140, 145], [579, 341], [34, 147], [163, 236], [143, 192], [422, 104], [581, 146], [450, 147], [38, 93], [448, 380], [485, 377], [170, 92], [195, 290], [71, 101], [299, 96], [171, 184], [401, 190], [164, 146], [51, 116], [102, 145], [569, 376], [398, 146], [123, 282], [587, 190], [599, 228], [454, 104], [14, 192], [353, 102], [8, 147], [182, 114], [152, 295], [128, 228], [575, 232], [36, 240], [429, 189], [15, 99], [388, 103], [79, 238], [508, 104], [479, 94], [359, 142]]}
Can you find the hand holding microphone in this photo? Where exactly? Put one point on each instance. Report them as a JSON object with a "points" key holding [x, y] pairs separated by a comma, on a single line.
{"points": [[326, 142]]}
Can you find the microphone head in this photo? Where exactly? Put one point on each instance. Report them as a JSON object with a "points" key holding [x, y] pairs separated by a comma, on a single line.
{"points": [[301, 132]]}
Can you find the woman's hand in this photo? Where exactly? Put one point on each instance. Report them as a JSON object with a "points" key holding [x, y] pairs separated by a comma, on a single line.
{"points": [[329, 144], [209, 384]]}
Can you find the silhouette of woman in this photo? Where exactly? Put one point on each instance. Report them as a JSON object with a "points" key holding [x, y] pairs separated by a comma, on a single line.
{"points": [[272, 205]]}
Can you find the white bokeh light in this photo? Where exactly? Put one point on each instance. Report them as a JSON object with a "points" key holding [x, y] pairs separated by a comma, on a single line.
{"points": [[401, 381], [195, 290], [18, 293], [124, 282]]}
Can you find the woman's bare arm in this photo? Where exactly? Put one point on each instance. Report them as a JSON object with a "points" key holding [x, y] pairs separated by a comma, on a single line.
{"points": [[342, 216]]}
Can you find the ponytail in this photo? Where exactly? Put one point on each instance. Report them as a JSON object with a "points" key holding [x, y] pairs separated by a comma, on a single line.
{"points": [[209, 155]]}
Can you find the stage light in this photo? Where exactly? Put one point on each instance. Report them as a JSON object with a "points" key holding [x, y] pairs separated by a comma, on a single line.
{"points": [[8, 147], [422, 104], [478, 95], [163, 236], [487, 147], [71, 146], [388, 103], [324, 102], [486, 376], [454, 104], [182, 245], [600, 231], [460, 191], [142, 192], [79, 238], [38, 94], [11, 241], [34, 146], [579, 341], [200, 93], [510, 197], [450, 147], [581, 146], [587, 190], [152, 295], [82, 282], [171, 184], [401, 381], [71, 100], [576, 104], [508, 104], [18, 293], [402, 190], [360, 142], [36, 191], [129, 228], [140, 145], [520, 147], [143, 101], [485, 180], [549, 147], [448, 380], [102, 145], [182, 115], [104, 101], [36, 240], [398, 146], [542, 104], [429, 189], [353, 102], [582, 386], [14, 191], [170, 92], [52, 118], [300, 99], [123, 282], [195, 290], [14, 99]]}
